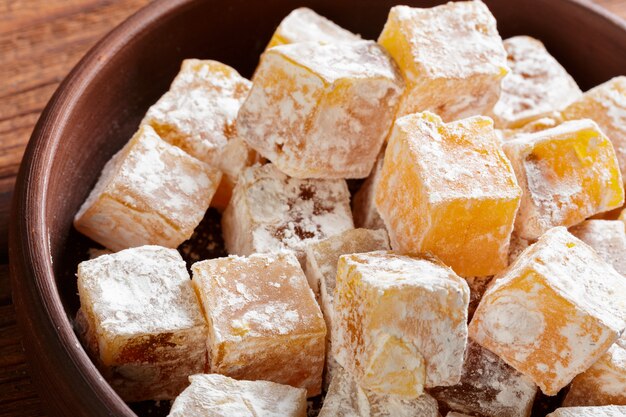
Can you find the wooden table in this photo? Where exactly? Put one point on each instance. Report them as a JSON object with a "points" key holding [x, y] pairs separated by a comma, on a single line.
{"points": [[40, 41]]}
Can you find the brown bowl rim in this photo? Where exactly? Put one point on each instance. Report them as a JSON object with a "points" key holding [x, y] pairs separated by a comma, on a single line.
{"points": [[32, 277]]}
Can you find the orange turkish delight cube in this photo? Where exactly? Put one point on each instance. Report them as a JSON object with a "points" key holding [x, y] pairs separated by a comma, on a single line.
{"points": [[264, 322], [605, 105], [568, 173], [604, 383], [536, 87], [449, 189], [270, 212], [198, 112], [554, 312], [304, 25], [400, 322], [150, 192], [215, 395], [321, 110], [451, 56]]}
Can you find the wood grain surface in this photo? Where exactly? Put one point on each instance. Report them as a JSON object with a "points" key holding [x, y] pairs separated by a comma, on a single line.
{"points": [[40, 41]]}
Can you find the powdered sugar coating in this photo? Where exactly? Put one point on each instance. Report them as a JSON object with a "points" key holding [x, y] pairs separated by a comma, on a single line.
{"points": [[270, 212], [399, 319], [264, 322], [607, 237], [198, 112], [554, 312], [488, 387], [150, 192], [606, 411], [345, 398], [142, 307], [605, 104], [568, 173], [451, 56], [536, 86], [304, 25], [212, 395], [449, 189], [321, 111]]}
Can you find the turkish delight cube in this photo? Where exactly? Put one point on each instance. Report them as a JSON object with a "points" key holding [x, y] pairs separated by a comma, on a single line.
{"points": [[141, 320], [536, 86], [554, 312], [400, 322], [212, 395], [605, 411], [270, 211], [150, 192], [604, 383], [568, 173], [321, 111], [364, 208], [451, 56], [264, 322], [605, 105], [304, 25], [449, 189], [198, 112], [321, 272], [607, 237], [345, 398], [488, 387]]}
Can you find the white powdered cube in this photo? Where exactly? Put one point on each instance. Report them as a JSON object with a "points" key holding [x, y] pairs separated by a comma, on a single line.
{"points": [[488, 387], [142, 320], [554, 312], [304, 25], [364, 208], [606, 411], [149, 193], [270, 212], [198, 112], [213, 395], [345, 398], [321, 272], [264, 323], [321, 110], [451, 56], [400, 322], [536, 87], [607, 237]]}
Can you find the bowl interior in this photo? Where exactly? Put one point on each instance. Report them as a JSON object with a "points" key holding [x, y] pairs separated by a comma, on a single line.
{"points": [[100, 115]]}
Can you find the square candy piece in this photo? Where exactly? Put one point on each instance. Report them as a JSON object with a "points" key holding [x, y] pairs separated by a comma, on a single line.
{"points": [[345, 398], [606, 411], [604, 383], [198, 112], [321, 111], [400, 322], [304, 25], [536, 86], [364, 202], [555, 312], [321, 271], [449, 189], [489, 387], [150, 192], [142, 317], [264, 323], [606, 105], [607, 237], [270, 212], [567, 173], [212, 395], [451, 56]]}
